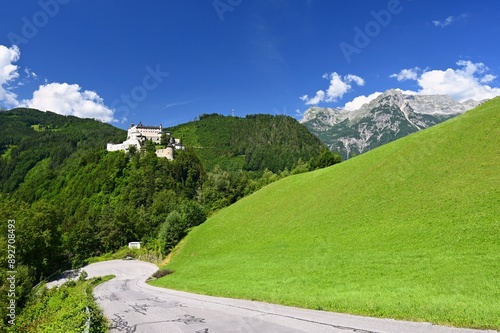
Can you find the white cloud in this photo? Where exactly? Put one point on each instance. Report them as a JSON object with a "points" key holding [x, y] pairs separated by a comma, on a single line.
{"points": [[469, 81], [449, 20], [354, 78], [357, 102], [407, 74], [488, 78], [30, 74], [407, 92], [337, 88], [62, 98], [8, 73], [68, 99], [320, 97], [169, 105]]}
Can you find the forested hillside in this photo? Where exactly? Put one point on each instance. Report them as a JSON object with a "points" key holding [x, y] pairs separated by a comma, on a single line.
{"points": [[253, 143], [29, 136], [71, 199]]}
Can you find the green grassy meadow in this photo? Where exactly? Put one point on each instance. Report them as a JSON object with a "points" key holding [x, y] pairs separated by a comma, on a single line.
{"points": [[410, 230]]}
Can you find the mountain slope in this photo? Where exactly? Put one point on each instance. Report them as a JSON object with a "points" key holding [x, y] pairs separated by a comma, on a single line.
{"points": [[253, 143], [408, 230], [390, 116]]}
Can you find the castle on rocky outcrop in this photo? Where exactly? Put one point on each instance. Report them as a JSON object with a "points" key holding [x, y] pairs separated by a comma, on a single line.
{"points": [[138, 134]]}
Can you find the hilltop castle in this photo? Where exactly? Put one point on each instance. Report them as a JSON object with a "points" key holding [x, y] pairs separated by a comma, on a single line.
{"points": [[137, 136]]}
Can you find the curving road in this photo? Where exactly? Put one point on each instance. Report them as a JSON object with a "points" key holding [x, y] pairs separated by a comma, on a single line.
{"points": [[131, 305]]}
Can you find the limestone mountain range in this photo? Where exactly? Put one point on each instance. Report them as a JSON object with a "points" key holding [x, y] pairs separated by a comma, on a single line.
{"points": [[388, 117]]}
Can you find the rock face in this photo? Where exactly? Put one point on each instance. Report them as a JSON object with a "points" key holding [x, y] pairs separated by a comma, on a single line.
{"points": [[390, 116]]}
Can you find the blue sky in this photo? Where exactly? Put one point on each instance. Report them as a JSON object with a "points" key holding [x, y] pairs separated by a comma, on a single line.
{"points": [[169, 61]]}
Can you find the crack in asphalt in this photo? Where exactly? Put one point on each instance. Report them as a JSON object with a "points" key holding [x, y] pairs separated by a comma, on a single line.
{"points": [[171, 304], [140, 308], [187, 319], [121, 324], [112, 297]]}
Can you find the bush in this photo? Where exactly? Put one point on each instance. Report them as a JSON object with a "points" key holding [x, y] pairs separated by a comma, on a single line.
{"points": [[70, 284], [129, 256], [83, 276], [162, 273]]}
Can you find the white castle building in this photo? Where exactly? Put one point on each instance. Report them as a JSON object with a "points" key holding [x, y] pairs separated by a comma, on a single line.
{"points": [[138, 134]]}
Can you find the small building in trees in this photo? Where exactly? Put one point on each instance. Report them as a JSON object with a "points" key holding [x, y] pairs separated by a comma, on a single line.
{"points": [[134, 245], [138, 134]]}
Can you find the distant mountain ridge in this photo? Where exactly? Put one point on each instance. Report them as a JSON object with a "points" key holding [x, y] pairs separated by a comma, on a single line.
{"points": [[390, 116]]}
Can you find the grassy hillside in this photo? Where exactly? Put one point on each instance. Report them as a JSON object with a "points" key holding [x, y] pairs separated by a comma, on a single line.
{"points": [[253, 143], [410, 230]]}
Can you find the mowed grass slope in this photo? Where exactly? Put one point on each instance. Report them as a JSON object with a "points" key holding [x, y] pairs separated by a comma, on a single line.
{"points": [[410, 230]]}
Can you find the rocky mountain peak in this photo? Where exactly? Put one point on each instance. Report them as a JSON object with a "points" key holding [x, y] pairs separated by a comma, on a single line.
{"points": [[389, 116]]}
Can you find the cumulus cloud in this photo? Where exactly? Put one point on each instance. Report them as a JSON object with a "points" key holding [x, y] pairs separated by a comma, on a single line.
{"points": [[407, 74], [337, 88], [8, 73], [62, 98], [354, 78], [487, 78], [358, 102], [68, 99], [320, 97], [449, 20], [469, 81]]}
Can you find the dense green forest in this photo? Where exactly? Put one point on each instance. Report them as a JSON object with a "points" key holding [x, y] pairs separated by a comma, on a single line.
{"points": [[253, 143], [71, 199]]}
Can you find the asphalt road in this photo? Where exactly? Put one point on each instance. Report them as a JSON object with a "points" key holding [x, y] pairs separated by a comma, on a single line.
{"points": [[131, 305]]}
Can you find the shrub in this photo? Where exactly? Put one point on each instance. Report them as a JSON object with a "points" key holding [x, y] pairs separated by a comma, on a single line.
{"points": [[83, 275], [162, 273]]}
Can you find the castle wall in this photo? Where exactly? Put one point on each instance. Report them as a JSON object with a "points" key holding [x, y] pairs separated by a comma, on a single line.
{"points": [[168, 153], [115, 147], [124, 146]]}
